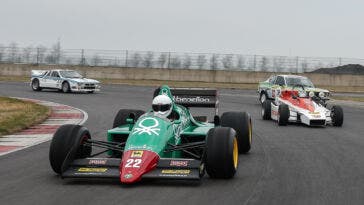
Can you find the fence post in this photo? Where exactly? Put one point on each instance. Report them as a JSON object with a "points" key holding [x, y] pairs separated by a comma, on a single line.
{"points": [[126, 58], [38, 56], [169, 59], [339, 61], [297, 64], [255, 62], [82, 57]]}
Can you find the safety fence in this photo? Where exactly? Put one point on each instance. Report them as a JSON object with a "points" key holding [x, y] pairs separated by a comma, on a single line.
{"points": [[175, 60]]}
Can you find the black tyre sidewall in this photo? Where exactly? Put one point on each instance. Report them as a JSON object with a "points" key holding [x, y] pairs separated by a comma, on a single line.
{"points": [[283, 114], [38, 87], [68, 87], [239, 121], [337, 115], [219, 152], [123, 114], [267, 106], [65, 147]]}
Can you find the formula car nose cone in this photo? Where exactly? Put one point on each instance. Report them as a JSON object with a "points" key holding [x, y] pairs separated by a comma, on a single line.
{"points": [[135, 163]]}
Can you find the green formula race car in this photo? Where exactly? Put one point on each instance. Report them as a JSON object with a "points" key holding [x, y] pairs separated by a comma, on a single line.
{"points": [[145, 145]]}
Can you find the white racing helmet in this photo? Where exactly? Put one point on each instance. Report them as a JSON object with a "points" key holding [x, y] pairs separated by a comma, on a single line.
{"points": [[162, 106]]}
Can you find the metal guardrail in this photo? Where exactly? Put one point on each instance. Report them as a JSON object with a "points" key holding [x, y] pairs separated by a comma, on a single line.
{"points": [[150, 59]]}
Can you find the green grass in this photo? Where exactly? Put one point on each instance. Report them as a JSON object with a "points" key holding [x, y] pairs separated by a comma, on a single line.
{"points": [[16, 115]]}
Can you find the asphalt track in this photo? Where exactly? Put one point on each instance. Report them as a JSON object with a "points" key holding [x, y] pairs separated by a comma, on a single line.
{"points": [[287, 165]]}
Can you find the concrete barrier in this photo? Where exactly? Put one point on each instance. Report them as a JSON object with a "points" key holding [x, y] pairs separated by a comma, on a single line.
{"points": [[211, 76]]}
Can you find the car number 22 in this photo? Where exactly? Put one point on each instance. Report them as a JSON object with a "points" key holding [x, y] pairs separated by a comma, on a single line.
{"points": [[133, 163]]}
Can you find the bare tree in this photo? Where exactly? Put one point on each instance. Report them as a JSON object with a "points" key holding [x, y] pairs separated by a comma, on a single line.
{"points": [[264, 63], [13, 52], [241, 62], [26, 54], [201, 60], [187, 61], [96, 60], [148, 59], [214, 61], [227, 61], [136, 60], [56, 52], [162, 59], [2, 49], [175, 62], [41, 50]]}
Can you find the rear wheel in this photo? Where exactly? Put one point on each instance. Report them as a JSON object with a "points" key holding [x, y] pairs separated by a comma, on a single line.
{"points": [[68, 144], [242, 124], [123, 114], [266, 110], [283, 114], [337, 116], [66, 87], [222, 155], [35, 85]]}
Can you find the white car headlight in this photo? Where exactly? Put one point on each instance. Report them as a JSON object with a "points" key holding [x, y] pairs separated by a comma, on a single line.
{"points": [[311, 94], [321, 94]]}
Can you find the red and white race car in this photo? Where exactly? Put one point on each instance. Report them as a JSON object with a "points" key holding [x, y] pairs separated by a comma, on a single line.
{"points": [[299, 106]]}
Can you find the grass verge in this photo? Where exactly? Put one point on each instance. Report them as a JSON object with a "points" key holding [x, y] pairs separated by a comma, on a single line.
{"points": [[16, 115]]}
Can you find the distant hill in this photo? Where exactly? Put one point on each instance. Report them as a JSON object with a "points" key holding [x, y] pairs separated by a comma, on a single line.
{"points": [[344, 69]]}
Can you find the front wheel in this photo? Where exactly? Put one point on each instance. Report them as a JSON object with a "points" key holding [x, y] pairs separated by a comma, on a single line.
{"points": [[68, 144], [337, 116], [241, 122], [283, 114], [35, 85], [266, 110], [222, 155], [263, 97]]}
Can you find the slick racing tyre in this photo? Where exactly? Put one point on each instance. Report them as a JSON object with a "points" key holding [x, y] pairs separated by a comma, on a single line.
{"points": [[35, 85], [263, 97], [337, 116], [241, 122], [120, 119], [66, 87], [266, 110], [283, 114], [221, 152], [68, 144], [123, 114]]}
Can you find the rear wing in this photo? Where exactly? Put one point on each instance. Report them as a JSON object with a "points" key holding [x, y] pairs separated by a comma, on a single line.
{"points": [[38, 72], [193, 97]]}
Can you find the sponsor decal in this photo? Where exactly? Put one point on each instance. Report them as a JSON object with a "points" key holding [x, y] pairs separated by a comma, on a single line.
{"points": [[178, 163], [149, 129], [196, 99], [128, 176], [137, 154], [176, 171], [87, 169], [97, 162]]}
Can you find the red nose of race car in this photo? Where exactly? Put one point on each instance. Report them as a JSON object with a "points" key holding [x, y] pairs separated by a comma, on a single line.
{"points": [[135, 163]]}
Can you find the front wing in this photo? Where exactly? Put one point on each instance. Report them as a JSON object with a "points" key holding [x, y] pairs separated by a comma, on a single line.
{"points": [[167, 168]]}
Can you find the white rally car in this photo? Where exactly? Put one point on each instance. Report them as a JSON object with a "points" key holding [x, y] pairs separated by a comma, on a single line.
{"points": [[62, 80], [297, 106]]}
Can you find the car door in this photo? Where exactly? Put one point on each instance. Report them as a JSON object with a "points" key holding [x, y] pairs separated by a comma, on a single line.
{"points": [[44, 81], [55, 80]]}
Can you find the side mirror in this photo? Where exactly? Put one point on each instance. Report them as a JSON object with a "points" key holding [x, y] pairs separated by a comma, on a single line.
{"points": [[130, 120]]}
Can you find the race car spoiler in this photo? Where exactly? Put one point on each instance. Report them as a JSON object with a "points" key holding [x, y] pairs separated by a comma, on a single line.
{"points": [[38, 72], [185, 169], [195, 97]]}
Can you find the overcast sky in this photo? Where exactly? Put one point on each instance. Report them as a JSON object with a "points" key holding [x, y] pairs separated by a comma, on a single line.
{"points": [[325, 28]]}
